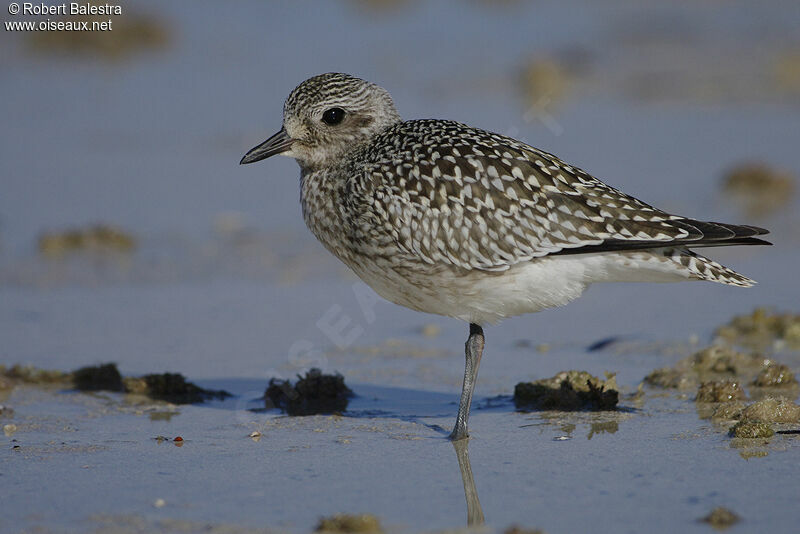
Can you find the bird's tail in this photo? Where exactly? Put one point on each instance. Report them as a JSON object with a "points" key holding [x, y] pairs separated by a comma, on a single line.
{"points": [[701, 268]]}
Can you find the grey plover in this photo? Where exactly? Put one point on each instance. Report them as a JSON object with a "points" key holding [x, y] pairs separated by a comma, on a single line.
{"points": [[443, 218]]}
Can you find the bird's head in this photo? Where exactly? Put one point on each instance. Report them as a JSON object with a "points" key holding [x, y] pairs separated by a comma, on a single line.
{"points": [[324, 117]]}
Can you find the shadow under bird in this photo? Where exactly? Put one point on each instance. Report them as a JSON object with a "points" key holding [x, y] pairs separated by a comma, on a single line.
{"points": [[443, 218]]}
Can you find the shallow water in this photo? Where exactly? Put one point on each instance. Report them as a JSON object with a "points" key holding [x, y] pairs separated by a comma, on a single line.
{"points": [[228, 288]]}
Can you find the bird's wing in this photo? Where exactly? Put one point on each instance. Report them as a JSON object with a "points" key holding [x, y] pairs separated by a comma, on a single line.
{"points": [[479, 200]]}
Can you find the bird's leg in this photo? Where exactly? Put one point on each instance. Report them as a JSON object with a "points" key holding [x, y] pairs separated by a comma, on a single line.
{"points": [[474, 510], [473, 349]]}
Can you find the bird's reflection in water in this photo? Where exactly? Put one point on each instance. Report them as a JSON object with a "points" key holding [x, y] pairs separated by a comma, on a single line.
{"points": [[474, 510]]}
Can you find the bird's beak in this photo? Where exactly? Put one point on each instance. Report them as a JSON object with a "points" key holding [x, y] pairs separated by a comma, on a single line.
{"points": [[280, 142]]}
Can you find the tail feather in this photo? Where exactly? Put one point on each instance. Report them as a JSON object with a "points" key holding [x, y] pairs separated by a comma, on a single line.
{"points": [[702, 268]]}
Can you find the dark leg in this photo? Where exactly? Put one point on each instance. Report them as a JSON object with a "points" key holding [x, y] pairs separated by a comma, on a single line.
{"points": [[473, 349]]}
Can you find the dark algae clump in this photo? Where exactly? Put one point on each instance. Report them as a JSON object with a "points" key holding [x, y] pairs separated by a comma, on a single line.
{"points": [[98, 377], [169, 387], [568, 391], [172, 387], [314, 393]]}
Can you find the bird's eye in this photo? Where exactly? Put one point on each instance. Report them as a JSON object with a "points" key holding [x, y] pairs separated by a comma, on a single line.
{"points": [[333, 116]]}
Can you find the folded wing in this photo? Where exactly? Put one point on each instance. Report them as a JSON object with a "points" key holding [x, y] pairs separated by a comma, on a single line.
{"points": [[479, 200]]}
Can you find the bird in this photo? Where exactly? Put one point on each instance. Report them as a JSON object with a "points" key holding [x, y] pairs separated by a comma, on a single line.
{"points": [[448, 219]]}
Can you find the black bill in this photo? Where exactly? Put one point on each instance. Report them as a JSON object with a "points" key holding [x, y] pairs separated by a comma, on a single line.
{"points": [[280, 142]]}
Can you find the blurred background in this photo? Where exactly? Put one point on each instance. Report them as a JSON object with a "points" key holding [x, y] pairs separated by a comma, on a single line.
{"points": [[129, 233]]}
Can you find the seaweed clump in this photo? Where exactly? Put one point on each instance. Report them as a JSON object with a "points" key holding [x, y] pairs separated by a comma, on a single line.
{"points": [[728, 411], [777, 375], [28, 374], [99, 238], [346, 523], [720, 373], [169, 387], [762, 329], [668, 378], [125, 35], [568, 391], [98, 377], [723, 360], [720, 391], [772, 410], [544, 80], [721, 518], [757, 420], [751, 430], [314, 393], [714, 363], [172, 387], [516, 529], [759, 188]]}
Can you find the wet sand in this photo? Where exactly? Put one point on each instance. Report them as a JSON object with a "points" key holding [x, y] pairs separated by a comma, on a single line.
{"points": [[220, 281]]}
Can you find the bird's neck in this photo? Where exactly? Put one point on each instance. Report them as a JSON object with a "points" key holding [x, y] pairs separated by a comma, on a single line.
{"points": [[320, 194]]}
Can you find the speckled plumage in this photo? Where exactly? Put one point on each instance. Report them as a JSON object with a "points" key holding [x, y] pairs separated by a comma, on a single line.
{"points": [[453, 220], [423, 210]]}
